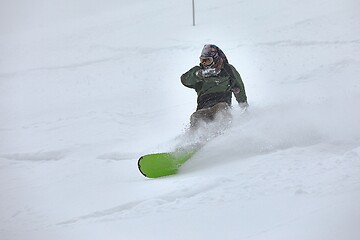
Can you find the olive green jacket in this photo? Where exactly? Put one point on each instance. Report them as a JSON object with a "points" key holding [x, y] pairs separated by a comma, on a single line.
{"points": [[227, 81]]}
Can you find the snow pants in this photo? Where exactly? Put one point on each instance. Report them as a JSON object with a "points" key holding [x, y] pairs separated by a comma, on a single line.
{"points": [[219, 110]]}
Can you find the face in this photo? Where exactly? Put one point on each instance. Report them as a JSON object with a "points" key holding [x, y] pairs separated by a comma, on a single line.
{"points": [[206, 61]]}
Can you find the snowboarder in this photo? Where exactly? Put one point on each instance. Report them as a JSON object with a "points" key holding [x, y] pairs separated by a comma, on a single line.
{"points": [[214, 80]]}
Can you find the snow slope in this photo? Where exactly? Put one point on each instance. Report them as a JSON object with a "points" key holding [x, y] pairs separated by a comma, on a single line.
{"points": [[87, 87]]}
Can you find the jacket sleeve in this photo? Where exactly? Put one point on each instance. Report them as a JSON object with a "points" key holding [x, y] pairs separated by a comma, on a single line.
{"points": [[238, 86], [189, 79]]}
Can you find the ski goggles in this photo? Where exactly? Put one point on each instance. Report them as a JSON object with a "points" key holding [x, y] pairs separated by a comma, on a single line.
{"points": [[206, 61]]}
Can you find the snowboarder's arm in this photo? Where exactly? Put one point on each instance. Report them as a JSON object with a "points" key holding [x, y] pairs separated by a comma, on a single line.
{"points": [[238, 86], [190, 79]]}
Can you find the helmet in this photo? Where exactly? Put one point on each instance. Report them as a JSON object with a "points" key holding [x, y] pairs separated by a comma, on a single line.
{"points": [[211, 55]]}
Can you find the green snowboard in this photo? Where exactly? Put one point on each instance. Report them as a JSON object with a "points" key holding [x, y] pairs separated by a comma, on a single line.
{"points": [[163, 164]]}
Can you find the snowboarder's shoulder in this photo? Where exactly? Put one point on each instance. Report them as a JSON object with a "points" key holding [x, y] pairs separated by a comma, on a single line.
{"points": [[231, 69], [228, 65]]}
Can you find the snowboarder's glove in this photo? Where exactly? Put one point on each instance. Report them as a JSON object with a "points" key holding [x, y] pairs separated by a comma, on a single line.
{"points": [[243, 105], [207, 72]]}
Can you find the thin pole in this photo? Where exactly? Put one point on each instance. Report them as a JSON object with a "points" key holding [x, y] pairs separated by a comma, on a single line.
{"points": [[193, 8]]}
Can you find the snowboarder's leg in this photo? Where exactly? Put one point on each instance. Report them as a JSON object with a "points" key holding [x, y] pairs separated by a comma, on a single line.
{"points": [[202, 115], [208, 114], [222, 112]]}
